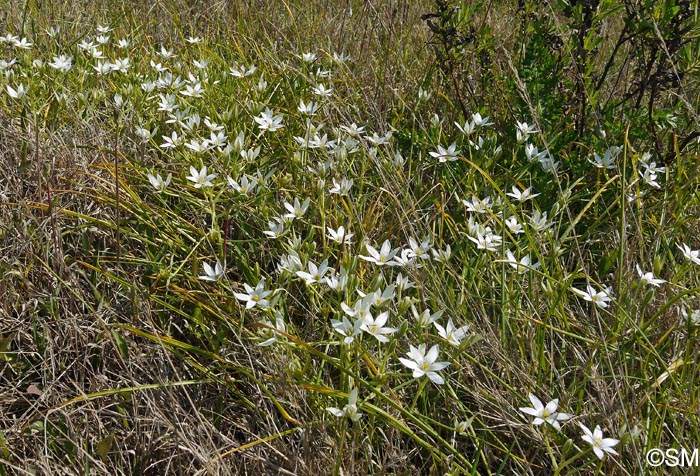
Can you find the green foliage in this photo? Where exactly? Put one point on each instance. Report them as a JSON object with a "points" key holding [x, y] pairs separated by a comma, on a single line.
{"points": [[521, 226]]}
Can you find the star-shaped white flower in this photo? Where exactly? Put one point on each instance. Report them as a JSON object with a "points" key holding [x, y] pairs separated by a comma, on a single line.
{"points": [[316, 273], [453, 335], [595, 439], [545, 413], [376, 326], [268, 121], [158, 183], [446, 155], [385, 256], [599, 298], [254, 296], [350, 410], [201, 178], [212, 274], [424, 364], [18, 93], [692, 255], [340, 236], [648, 278], [522, 196], [348, 329]]}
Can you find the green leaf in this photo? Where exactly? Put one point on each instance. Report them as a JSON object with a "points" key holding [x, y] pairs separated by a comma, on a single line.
{"points": [[121, 344], [105, 446]]}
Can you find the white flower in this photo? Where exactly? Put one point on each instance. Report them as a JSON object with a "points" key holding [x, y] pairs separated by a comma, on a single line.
{"points": [[406, 258], [143, 134], [297, 210], [444, 155], [477, 205], [247, 184], [378, 140], [342, 188], [200, 178], [478, 144], [424, 364], [359, 310], [340, 236], [599, 298], [521, 266], [193, 90], [307, 109], [649, 178], [121, 64], [212, 274], [171, 142], [201, 64], [349, 330], [442, 256], [481, 121], [692, 255], [275, 229], [338, 281], [254, 297], [648, 278], [514, 226], [353, 129], [165, 53], [524, 130], [193, 40], [550, 165], [607, 161], [290, 263], [425, 318], [650, 166], [52, 31], [539, 222], [316, 273], [691, 317], [340, 58], [403, 283], [595, 439], [385, 256], [545, 414], [250, 154], [487, 241], [217, 139], [242, 70], [453, 335], [322, 91], [5, 64], [158, 183], [419, 250], [467, 129], [379, 297], [198, 146], [350, 410], [533, 154], [62, 63], [279, 325], [18, 93], [308, 57], [268, 121], [376, 326], [103, 68], [522, 196], [23, 44]]}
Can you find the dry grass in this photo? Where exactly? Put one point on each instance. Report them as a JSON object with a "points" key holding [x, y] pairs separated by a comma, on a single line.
{"points": [[112, 363]]}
